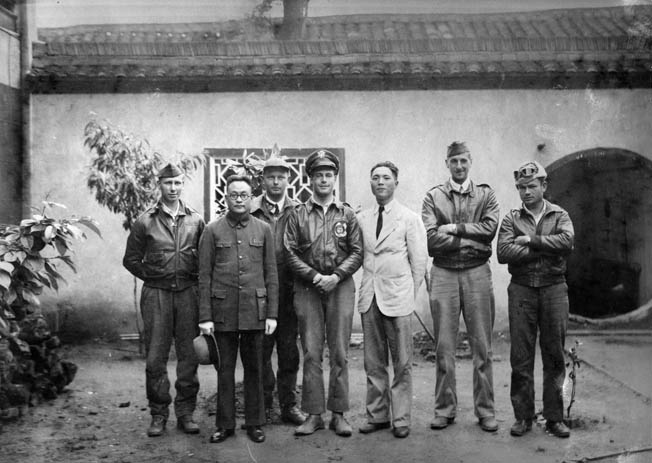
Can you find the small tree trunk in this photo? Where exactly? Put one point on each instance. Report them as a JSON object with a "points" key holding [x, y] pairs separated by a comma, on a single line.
{"points": [[294, 18], [140, 331]]}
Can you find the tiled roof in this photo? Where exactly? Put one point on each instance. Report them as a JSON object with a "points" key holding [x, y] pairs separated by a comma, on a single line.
{"points": [[603, 46]]}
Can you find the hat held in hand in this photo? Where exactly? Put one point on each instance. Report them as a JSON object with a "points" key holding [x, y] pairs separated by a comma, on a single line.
{"points": [[206, 349]]}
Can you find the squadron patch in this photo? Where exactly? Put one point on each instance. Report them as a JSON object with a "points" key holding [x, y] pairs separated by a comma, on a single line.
{"points": [[339, 229]]}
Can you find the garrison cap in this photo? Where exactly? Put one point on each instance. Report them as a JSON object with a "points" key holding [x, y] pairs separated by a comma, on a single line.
{"points": [[170, 170], [530, 170], [456, 148], [322, 158], [276, 163]]}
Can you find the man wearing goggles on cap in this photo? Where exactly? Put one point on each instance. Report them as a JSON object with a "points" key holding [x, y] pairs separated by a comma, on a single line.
{"points": [[535, 240]]}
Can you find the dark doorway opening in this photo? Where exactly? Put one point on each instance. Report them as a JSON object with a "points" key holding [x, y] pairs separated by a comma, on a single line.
{"points": [[608, 194]]}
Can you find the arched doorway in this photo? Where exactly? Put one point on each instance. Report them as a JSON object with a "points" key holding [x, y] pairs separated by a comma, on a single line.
{"points": [[608, 194]]}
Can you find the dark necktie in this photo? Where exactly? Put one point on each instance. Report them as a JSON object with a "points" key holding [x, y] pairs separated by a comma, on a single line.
{"points": [[273, 209], [379, 224]]}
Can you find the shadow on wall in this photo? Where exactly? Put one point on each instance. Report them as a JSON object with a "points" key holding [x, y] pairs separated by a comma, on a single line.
{"points": [[608, 194]]}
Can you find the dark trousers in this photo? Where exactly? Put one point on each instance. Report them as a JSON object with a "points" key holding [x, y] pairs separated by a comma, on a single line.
{"points": [[167, 316], [545, 309], [251, 353], [287, 353]]}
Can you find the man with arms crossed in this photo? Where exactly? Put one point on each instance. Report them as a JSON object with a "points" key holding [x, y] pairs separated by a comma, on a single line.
{"points": [[162, 251], [461, 219], [274, 207], [238, 298], [535, 240], [324, 248], [395, 260]]}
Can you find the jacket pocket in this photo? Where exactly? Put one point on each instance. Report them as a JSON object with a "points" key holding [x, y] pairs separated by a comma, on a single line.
{"points": [[217, 304], [223, 251], [261, 300], [256, 246]]}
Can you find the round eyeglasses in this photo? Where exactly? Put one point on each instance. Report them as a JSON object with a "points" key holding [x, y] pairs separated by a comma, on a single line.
{"points": [[242, 196]]}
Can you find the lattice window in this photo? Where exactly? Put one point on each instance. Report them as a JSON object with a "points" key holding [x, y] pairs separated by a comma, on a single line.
{"points": [[218, 169]]}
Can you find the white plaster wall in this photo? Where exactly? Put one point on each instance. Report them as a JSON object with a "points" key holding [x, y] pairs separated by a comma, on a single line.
{"points": [[412, 128]]}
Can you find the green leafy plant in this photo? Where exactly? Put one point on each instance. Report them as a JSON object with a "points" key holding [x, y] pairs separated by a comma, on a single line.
{"points": [[123, 174], [29, 255]]}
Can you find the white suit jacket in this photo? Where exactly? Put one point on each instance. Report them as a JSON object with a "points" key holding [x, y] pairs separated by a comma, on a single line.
{"points": [[394, 264]]}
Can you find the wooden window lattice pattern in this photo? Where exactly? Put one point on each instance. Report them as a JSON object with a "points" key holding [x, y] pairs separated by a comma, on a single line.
{"points": [[218, 170]]}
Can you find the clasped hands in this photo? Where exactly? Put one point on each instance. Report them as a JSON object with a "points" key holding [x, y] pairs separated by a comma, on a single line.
{"points": [[325, 283]]}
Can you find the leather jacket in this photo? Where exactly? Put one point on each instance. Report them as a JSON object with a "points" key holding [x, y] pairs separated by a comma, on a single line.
{"points": [[543, 261], [327, 243], [475, 213], [164, 255], [278, 225]]}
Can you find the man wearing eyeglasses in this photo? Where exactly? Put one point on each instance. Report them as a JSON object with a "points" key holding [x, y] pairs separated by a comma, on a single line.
{"points": [[535, 240], [323, 246], [274, 207], [238, 299], [461, 219]]}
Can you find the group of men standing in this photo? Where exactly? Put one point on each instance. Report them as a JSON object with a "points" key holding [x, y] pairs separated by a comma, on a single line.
{"points": [[271, 269]]}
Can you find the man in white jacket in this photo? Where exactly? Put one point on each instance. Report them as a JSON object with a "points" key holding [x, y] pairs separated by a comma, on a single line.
{"points": [[395, 259]]}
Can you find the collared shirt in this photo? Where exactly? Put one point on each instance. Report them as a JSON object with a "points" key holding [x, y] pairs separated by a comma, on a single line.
{"points": [[537, 217], [169, 211], [460, 188], [387, 208], [279, 204]]}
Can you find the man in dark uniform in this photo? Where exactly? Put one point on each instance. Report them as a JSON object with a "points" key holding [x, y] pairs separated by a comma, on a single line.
{"points": [[274, 207], [323, 243], [535, 241], [162, 251], [238, 298], [461, 220]]}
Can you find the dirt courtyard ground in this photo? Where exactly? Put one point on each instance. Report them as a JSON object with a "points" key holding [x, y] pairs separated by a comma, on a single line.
{"points": [[102, 417]]}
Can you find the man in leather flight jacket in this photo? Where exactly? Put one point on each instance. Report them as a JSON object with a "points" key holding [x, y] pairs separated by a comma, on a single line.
{"points": [[162, 251], [461, 219], [323, 245]]}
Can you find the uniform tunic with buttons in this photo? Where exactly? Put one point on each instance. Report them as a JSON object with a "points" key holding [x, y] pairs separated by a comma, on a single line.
{"points": [[238, 282]]}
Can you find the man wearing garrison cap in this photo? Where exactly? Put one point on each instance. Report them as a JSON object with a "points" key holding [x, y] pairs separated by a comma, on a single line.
{"points": [[535, 240], [274, 207], [323, 246], [162, 251], [461, 218]]}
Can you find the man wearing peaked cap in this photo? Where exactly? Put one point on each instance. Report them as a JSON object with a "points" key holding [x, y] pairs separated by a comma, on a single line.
{"points": [[323, 246], [162, 251], [322, 158], [274, 207], [535, 240], [461, 218]]}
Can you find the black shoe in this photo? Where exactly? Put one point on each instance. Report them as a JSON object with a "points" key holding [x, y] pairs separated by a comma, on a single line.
{"points": [[187, 424], [557, 428], [520, 427], [293, 415], [157, 426], [401, 431], [256, 434], [368, 428], [220, 435]]}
